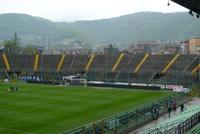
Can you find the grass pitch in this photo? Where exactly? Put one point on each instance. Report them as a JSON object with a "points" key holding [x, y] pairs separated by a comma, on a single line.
{"points": [[44, 109]]}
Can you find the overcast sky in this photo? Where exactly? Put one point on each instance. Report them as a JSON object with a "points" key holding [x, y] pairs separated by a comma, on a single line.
{"points": [[72, 10]]}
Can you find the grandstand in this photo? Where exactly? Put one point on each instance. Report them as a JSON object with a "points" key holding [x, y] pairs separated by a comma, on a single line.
{"points": [[128, 68]]}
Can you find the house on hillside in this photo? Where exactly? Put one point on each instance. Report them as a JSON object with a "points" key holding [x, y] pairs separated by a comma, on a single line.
{"points": [[145, 47], [110, 50], [193, 45]]}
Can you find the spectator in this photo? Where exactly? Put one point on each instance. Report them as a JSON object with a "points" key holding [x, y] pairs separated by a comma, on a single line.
{"points": [[154, 113], [157, 113], [174, 105], [182, 107], [169, 111]]}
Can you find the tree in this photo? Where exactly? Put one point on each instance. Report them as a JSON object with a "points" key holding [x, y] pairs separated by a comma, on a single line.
{"points": [[29, 50], [12, 46]]}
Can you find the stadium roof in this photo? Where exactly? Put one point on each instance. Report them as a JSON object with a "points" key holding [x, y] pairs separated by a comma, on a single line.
{"points": [[192, 5]]}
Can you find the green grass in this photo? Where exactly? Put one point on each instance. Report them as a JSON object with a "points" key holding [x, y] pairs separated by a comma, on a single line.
{"points": [[44, 109], [195, 92]]}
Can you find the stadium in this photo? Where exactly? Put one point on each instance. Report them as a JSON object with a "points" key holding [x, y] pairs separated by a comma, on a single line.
{"points": [[98, 93]]}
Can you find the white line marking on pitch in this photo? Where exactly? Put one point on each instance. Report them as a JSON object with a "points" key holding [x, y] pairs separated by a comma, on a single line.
{"points": [[14, 130]]}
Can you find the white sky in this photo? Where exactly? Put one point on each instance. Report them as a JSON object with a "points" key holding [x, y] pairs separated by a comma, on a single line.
{"points": [[72, 10]]}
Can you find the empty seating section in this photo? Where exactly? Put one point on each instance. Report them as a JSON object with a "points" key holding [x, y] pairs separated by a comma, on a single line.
{"points": [[195, 60], [124, 64], [21, 63], [110, 61], [101, 68], [118, 62], [140, 64], [127, 67], [17, 62], [181, 70], [68, 63], [78, 65], [156, 63], [129, 63], [49, 63], [182, 63], [28, 63], [99, 64], [119, 67], [103, 63]]}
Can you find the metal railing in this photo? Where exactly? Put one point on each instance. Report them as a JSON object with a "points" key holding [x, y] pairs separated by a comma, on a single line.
{"points": [[175, 127], [195, 130], [188, 124]]}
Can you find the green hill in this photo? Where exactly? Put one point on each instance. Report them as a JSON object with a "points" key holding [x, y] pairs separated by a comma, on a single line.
{"points": [[121, 30], [141, 26], [38, 31]]}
